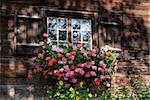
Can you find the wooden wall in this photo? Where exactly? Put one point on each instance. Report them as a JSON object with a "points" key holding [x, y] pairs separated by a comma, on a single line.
{"points": [[119, 23]]}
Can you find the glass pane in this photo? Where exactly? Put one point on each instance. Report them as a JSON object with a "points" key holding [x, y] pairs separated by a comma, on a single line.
{"points": [[63, 44], [86, 25], [52, 23], [62, 23], [76, 36], [75, 23], [52, 34], [62, 35], [86, 35], [54, 44]]}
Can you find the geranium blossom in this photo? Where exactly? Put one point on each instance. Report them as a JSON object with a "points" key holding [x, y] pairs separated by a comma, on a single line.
{"points": [[71, 64]]}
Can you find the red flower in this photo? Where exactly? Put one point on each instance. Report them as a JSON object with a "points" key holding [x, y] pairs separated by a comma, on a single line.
{"points": [[79, 65], [36, 51], [39, 55], [47, 58], [29, 76], [58, 74], [87, 74], [89, 54], [39, 69], [70, 44], [45, 35], [97, 81], [83, 44], [102, 70], [59, 55], [50, 63]]}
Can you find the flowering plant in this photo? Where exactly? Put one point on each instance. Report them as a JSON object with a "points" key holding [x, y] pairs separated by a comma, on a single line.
{"points": [[72, 64]]}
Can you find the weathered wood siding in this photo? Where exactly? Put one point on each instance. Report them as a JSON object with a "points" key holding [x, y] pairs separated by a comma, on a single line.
{"points": [[120, 23]]}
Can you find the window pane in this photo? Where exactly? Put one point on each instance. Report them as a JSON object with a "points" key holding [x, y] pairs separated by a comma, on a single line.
{"points": [[62, 23], [62, 35], [63, 44], [76, 36], [86, 25], [75, 23], [86, 35], [52, 34], [52, 23]]}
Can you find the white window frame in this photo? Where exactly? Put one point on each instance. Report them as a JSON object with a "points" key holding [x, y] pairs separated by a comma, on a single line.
{"points": [[67, 31]]}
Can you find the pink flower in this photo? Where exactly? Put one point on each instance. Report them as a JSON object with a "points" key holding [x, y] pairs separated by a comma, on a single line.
{"points": [[92, 62], [39, 55], [41, 42], [94, 51], [74, 47], [35, 71], [88, 35], [61, 70], [73, 52], [82, 72], [71, 44], [93, 73], [65, 78], [102, 55], [72, 73], [94, 67], [64, 60], [39, 69], [102, 70], [45, 35], [67, 69], [87, 74], [45, 72], [67, 74], [56, 49], [101, 76], [47, 58], [88, 65], [85, 54], [59, 55], [77, 70], [82, 51], [29, 76], [36, 51], [33, 58], [74, 80], [97, 81], [82, 65], [102, 64]]}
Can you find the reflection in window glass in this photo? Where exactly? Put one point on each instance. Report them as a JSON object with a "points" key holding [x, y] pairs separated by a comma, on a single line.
{"points": [[76, 23], [76, 36], [86, 35], [86, 25], [62, 35], [57, 29], [62, 23], [81, 29], [52, 23], [52, 34]]}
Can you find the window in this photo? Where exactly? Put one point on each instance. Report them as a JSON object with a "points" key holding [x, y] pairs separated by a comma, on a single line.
{"points": [[27, 29], [59, 30]]}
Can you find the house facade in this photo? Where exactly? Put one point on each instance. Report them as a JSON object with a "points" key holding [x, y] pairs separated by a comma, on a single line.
{"points": [[117, 23]]}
